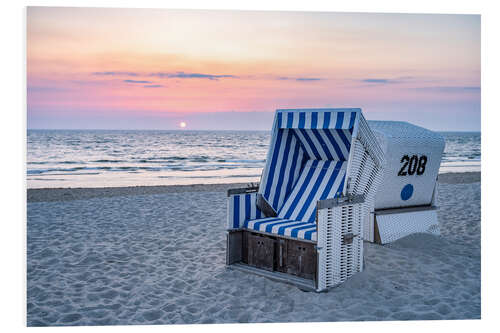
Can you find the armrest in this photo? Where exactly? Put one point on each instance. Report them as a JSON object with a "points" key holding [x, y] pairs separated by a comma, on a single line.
{"points": [[244, 190], [241, 206], [340, 201]]}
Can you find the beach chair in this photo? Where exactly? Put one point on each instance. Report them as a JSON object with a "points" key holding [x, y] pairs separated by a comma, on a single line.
{"points": [[406, 203], [303, 224]]}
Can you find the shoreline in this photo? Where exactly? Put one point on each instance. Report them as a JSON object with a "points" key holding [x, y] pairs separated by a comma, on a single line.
{"points": [[81, 193]]}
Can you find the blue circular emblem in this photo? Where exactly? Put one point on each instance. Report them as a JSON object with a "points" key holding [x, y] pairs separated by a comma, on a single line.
{"points": [[407, 192]]}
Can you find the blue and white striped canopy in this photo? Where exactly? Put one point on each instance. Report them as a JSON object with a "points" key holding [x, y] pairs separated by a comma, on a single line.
{"points": [[317, 118], [299, 136]]}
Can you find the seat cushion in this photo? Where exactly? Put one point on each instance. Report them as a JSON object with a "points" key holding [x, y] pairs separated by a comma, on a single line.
{"points": [[284, 227]]}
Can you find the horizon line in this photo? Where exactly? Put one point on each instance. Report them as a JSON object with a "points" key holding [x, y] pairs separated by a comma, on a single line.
{"points": [[190, 130]]}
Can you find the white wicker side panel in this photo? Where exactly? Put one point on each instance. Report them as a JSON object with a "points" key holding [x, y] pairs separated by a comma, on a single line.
{"points": [[329, 242], [366, 174], [395, 226], [351, 257], [338, 260]]}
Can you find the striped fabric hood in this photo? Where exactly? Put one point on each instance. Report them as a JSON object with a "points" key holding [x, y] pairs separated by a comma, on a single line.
{"points": [[291, 181]]}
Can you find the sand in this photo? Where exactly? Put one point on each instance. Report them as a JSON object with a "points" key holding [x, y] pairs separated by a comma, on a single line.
{"points": [[156, 255]]}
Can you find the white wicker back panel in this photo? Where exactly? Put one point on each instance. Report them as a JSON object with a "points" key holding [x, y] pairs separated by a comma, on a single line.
{"points": [[338, 261], [400, 186], [395, 226]]}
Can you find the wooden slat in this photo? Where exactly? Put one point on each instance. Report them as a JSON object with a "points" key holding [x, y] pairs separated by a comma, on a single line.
{"points": [[301, 259], [234, 247], [261, 252]]}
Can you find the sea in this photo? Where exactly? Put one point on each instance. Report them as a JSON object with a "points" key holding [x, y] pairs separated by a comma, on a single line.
{"points": [[114, 158]]}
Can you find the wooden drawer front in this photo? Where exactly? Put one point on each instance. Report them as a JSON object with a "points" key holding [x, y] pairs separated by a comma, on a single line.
{"points": [[260, 251], [301, 259]]}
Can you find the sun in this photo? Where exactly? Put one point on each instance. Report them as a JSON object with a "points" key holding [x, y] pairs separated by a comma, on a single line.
{"points": [[182, 124]]}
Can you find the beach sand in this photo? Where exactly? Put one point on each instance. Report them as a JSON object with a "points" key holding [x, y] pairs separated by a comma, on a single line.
{"points": [[156, 255]]}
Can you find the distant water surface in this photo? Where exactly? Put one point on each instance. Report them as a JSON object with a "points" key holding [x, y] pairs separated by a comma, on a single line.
{"points": [[104, 158], [462, 152]]}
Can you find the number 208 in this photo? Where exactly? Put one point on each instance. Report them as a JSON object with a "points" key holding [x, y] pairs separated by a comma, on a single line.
{"points": [[412, 165]]}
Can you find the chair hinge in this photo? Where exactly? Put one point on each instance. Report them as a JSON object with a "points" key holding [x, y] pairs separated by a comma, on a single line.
{"points": [[347, 238]]}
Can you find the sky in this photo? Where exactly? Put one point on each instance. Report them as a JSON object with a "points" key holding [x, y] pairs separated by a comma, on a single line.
{"points": [[99, 68]]}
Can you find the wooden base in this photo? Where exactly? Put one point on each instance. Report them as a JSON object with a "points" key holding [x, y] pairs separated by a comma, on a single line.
{"points": [[273, 254]]}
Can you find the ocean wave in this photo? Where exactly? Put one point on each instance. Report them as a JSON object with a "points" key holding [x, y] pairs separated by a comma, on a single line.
{"points": [[247, 161], [208, 177], [157, 159], [109, 161], [177, 167], [57, 162], [68, 174]]}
